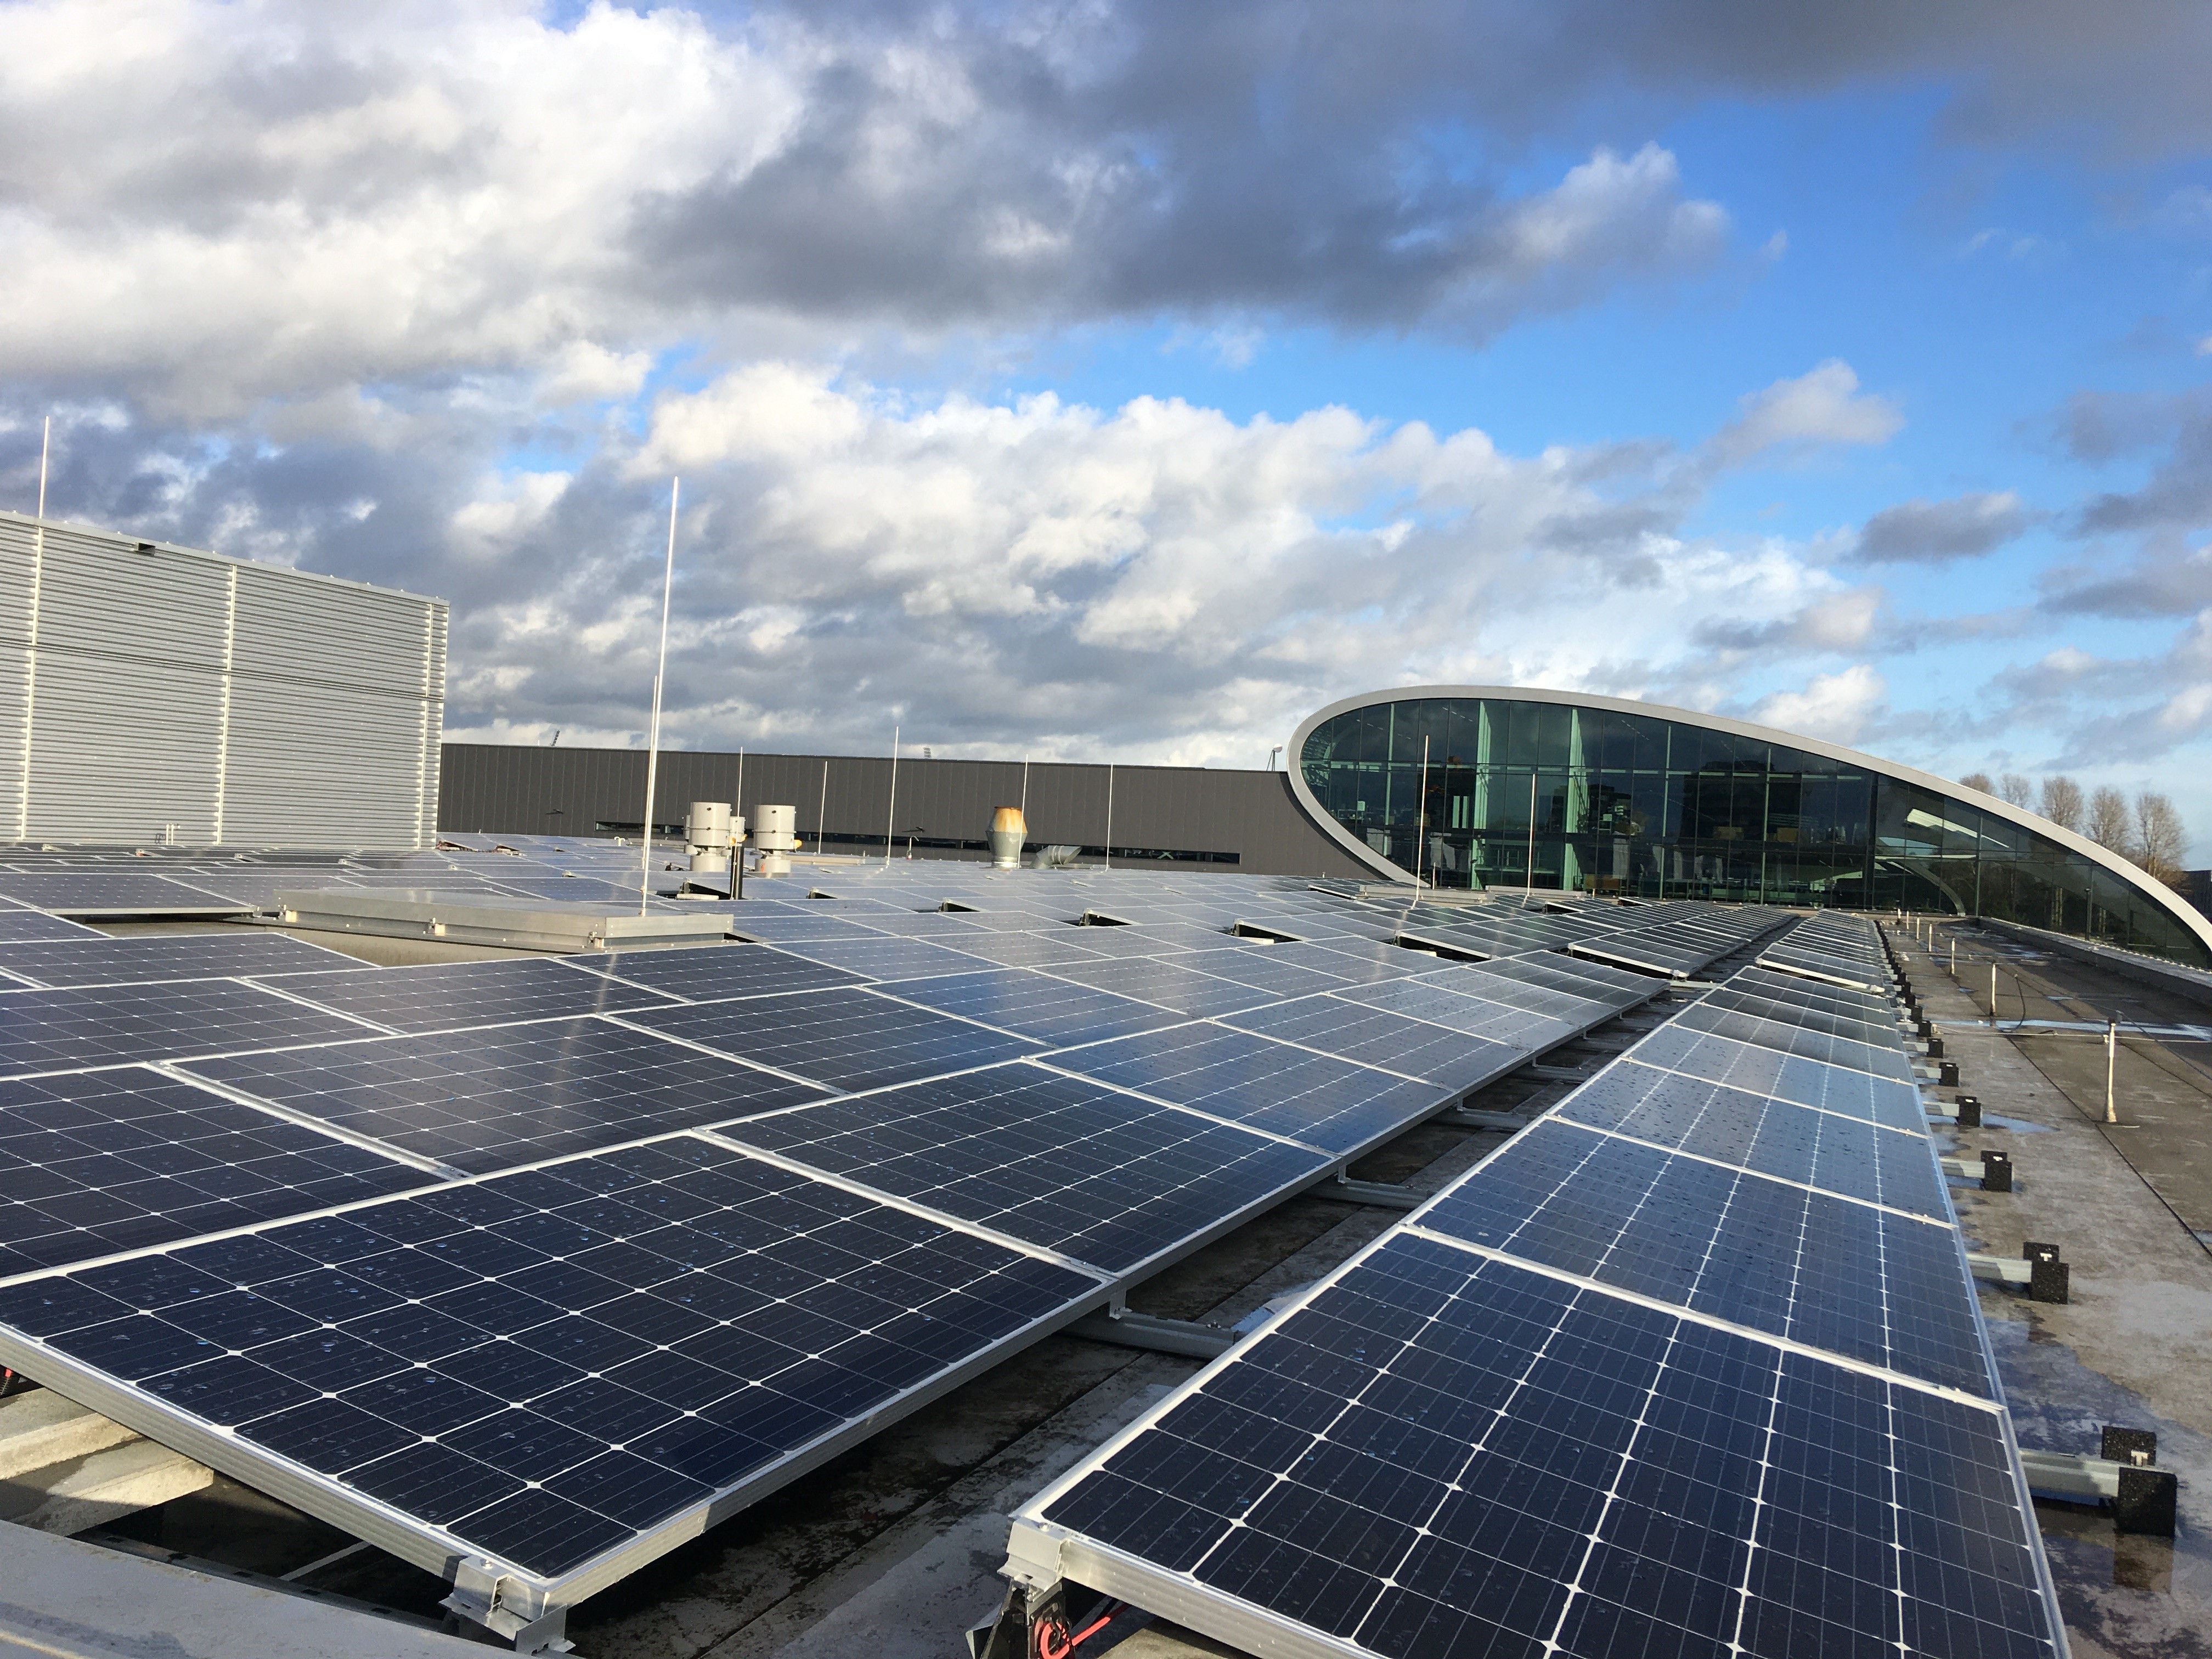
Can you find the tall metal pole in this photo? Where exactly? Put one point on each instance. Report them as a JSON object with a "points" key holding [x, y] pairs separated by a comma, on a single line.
{"points": [[1421, 834], [1528, 872], [890, 807], [2112, 1066], [1025, 789], [822, 813], [31, 655], [1110, 815], [652, 741]]}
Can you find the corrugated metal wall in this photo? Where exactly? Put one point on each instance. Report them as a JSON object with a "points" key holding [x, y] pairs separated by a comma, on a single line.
{"points": [[244, 704], [507, 789]]}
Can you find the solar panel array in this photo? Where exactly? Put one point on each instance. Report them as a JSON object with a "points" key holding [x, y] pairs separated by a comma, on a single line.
{"points": [[1691, 1366], [544, 1262]]}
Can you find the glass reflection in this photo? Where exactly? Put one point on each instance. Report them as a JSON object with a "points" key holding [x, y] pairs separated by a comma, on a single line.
{"points": [[1554, 796]]}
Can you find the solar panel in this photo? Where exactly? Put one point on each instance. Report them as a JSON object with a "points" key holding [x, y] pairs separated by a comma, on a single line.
{"points": [[1187, 990], [448, 996], [778, 928], [1421, 999], [1766, 1071], [1264, 968], [1360, 962], [1315, 1098], [1442, 1456], [1869, 1025], [717, 973], [102, 961], [1371, 1037], [884, 957], [66, 1029], [482, 1100], [1058, 1162], [845, 1038], [1051, 1011], [1812, 993], [1846, 1155], [24, 927], [1044, 949], [96, 1162], [114, 892], [1881, 1060], [1846, 1277], [551, 1368]]}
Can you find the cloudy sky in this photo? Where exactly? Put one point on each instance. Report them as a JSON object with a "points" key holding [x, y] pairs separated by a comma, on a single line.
{"points": [[1099, 380]]}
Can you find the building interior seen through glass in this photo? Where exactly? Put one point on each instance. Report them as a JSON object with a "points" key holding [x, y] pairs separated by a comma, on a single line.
{"points": [[1552, 796]]}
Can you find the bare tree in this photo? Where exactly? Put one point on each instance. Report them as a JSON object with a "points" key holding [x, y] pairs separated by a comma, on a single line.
{"points": [[2061, 803], [2161, 840], [2015, 789], [1980, 780], [2111, 825]]}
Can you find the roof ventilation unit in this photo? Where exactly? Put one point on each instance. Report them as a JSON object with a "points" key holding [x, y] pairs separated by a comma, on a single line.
{"points": [[711, 832], [1008, 830], [776, 839]]}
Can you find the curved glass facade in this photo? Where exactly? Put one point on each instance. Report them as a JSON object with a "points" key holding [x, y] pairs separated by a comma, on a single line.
{"points": [[1558, 795]]}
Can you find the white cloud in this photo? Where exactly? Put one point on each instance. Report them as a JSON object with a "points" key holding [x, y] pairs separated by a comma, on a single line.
{"points": [[1837, 707], [1824, 406]]}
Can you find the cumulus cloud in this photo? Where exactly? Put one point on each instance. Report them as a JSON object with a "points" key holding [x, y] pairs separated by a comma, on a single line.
{"points": [[1837, 707], [1922, 531], [349, 195], [1823, 406]]}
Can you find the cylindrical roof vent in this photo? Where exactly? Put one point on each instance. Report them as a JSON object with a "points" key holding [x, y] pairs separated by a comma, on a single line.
{"points": [[1008, 830]]}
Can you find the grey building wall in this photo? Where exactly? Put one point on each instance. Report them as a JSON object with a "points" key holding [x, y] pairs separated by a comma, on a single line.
{"points": [[147, 689], [499, 788]]}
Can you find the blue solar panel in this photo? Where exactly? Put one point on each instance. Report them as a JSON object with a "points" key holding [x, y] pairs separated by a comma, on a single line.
{"points": [[1056, 1161]]}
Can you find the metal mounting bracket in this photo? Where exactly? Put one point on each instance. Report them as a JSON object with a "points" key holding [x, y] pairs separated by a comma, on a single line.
{"points": [[1463, 1117], [1382, 1194], [1156, 1336]]}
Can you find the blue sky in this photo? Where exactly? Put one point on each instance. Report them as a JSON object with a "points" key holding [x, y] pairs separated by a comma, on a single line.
{"points": [[1123, 380]]}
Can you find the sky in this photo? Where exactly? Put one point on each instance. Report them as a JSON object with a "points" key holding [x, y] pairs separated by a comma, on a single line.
{"points": [[1093, 381]]}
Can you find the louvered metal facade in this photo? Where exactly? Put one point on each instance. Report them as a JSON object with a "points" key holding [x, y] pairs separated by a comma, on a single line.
{"points": [[150, 692]]}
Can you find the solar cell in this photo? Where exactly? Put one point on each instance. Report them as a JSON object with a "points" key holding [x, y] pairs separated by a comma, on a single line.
{"points": [[53, 1030], [1060, 1162], [1439, 1457], [1315, 1098], [95, 1162], [845, 1038], [762, 1313], [482, 1100], [716, 973], [1051, 1011], [1371, 1037], [101, 961], [448, 996]]}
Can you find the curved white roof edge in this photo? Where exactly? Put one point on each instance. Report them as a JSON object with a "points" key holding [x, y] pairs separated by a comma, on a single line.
{"points": [[2198, 926]]}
